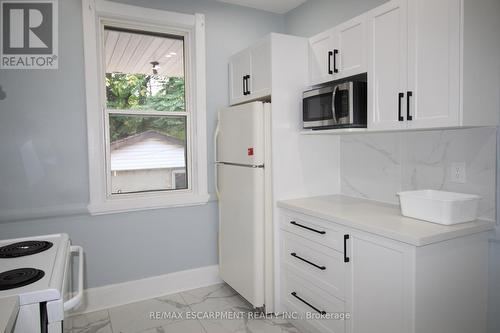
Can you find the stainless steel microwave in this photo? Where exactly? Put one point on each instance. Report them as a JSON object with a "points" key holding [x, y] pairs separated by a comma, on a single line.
{"points": [[335, 105]]}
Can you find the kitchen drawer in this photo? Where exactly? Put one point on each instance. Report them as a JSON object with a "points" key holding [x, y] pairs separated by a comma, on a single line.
{"points": [[319, 231], [321, 265], [299, 295]]}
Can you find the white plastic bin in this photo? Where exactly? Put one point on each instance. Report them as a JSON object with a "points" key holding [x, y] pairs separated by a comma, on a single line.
{"points": [[439, 206]]}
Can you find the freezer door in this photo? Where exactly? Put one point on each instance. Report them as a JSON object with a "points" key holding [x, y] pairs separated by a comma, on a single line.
{"points": [[241, 134], [241, 230]]}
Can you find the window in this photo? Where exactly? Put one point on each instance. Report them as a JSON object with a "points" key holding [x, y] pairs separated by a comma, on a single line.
{"points": [[145, 75], [145, 110]]}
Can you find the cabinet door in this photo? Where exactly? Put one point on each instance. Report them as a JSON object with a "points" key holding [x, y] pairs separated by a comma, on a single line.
{"points": [[380, 284], [260, 76], [321, 56], [351, 37], [239, 66], [387, 65], [434, 63]]}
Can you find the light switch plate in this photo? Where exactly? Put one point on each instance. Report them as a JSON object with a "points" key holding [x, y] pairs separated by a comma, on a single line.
{"points": [[458, 172]]}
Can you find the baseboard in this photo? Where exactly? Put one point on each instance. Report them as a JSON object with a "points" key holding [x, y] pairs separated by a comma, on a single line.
{"points": [[104, 297]]}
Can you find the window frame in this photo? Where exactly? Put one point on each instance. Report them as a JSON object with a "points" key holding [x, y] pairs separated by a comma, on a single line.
{"points": [[100, 13]]}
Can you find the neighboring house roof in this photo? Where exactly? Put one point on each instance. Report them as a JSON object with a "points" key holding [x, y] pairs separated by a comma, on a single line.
{"points": [[147, 150]]}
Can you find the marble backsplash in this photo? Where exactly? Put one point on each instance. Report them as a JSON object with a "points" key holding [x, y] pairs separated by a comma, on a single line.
{"points": [[378, 165]]}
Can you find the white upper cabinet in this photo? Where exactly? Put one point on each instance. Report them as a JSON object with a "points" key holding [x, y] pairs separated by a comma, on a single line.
{"points": [[428, 68], [250, 73], [260, 62], [433, 63], [239, 67], [351, 41], [387, 66], [338, 52], [321, 57]]}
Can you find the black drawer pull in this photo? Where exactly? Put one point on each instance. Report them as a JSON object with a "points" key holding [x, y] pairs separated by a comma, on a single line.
{"points": [[294, 294], [400, 97], [346, 258], [303, 226], [293, 254]]}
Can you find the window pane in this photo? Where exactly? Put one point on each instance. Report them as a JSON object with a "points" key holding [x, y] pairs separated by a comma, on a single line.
{"points": [[147, 153], [180, 180], [144, 71]]}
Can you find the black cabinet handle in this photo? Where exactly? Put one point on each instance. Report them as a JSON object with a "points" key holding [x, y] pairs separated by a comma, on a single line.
{"points": [[330, 55], [248, 85], [400, 97], [346, 258], [294, 294], [335, 52], [293, 254], [305, 227], [246, 90], [408, 95]]}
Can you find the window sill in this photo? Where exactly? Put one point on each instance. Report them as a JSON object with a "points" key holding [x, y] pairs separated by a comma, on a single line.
{"points": [[147, 202]]}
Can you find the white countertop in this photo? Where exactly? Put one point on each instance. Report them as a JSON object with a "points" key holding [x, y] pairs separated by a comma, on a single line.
{"points": [[381, 219], [9, 307]]}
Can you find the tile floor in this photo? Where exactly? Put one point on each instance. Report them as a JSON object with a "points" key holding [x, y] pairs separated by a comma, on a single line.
{"points": [[136, 317]]}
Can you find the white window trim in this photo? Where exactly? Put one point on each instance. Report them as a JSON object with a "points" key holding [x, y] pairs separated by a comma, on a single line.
{"points": [[94, 12]]}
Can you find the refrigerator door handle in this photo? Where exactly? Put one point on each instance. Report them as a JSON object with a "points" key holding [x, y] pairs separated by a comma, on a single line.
{"points": [[216, 167], [254, 166]]}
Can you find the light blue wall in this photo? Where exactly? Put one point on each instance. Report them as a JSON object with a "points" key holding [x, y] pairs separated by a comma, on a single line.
{"points": [[43, 116], [315, 16]]}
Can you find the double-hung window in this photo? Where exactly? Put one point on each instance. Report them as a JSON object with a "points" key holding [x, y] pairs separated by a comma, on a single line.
{"points": [[145, 85]]}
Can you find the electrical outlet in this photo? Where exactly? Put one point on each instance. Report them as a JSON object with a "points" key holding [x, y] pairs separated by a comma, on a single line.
{"points": [[457, 172]]}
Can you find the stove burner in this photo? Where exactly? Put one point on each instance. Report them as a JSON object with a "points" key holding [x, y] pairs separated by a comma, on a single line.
{"points": [[22, 249], [19, 278]]}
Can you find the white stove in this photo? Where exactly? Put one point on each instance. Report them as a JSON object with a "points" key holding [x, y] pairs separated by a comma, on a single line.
{"points": [[38, 271]]}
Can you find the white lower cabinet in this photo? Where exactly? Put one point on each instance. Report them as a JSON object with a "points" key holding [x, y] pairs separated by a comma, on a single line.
{"points": [[321, 265], [380, 285], [373, 284], [311, 304]]}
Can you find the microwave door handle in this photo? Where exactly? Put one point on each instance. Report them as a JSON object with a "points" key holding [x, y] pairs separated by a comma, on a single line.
{"points": [[334, 115]]}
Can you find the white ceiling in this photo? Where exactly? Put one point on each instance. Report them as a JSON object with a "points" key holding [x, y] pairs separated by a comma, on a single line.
{"points": [[275, 6], [128, 52]]}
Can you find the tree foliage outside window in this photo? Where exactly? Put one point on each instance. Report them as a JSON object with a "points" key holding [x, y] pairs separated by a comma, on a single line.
{"points": [[145, 92]]}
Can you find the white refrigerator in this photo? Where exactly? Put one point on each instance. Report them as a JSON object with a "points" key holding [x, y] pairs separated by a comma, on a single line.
{"points": [[243, 183]]}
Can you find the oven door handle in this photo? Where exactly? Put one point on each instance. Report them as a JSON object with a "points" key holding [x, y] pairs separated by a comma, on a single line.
{"points": [[75, 300], [334, 115]]}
